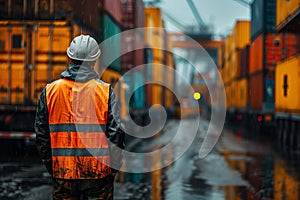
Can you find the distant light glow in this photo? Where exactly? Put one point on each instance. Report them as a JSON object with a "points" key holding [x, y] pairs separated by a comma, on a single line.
{"points": [[197, 95]]}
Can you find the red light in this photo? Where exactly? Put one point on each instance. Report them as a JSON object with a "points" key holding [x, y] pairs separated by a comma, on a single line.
{"points": [[239, 117], [259, 118], [239, 135]]}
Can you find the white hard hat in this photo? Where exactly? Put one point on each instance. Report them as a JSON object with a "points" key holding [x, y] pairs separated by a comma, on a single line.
{"points": [[84, 48]]}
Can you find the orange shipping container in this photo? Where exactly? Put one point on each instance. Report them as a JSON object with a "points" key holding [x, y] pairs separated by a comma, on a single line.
{"points": [[288, 86], [286, 9], [261, 91], [269, 48], [12, 64]]}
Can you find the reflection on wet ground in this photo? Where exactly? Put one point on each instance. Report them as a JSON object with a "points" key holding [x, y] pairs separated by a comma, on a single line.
{"points": [[243, 165]]}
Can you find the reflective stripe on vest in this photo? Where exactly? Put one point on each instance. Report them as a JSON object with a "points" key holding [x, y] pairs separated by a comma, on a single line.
{"points": [[77, 124]]}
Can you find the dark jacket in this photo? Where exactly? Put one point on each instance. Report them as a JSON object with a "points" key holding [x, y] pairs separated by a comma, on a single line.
{"points": [[114, 132]]}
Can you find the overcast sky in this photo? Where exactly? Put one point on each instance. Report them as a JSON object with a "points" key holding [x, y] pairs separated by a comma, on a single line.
{"points": [[221, 13]]}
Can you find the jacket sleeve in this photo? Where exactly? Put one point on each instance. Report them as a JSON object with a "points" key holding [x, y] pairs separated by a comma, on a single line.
{"points": [[41, 126], [114, 132]]}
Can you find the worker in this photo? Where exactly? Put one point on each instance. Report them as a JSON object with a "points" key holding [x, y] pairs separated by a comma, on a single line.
{"points": [[78, 130]]}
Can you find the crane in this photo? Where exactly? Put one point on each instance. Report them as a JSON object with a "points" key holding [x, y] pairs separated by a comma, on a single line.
{"points": [[245, 3]]}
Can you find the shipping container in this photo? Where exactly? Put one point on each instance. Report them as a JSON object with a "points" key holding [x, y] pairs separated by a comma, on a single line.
{"points": [[133, 41], [32, 55], [241, 34], [30, 67], [30, 10], [155, 43], [270, 48], [228, 47], [242, 96], [133, 14], [244, 61], [263, 17], [99, 17], [113, 8], [287, 13], [112, 49], [228, 96], [235, 64], [288, 86], [261, 91]]}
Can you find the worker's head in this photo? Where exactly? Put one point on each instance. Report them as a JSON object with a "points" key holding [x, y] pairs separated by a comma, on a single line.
{"points": [[83, 48]]}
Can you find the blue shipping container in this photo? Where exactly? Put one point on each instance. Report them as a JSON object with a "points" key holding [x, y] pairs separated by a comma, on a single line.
{"points": [[263, 17]]}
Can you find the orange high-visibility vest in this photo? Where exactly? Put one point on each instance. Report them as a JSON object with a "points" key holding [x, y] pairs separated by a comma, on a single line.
{"points": [[77, 123]]}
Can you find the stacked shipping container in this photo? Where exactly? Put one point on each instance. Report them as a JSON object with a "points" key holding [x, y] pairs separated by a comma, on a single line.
{"points": [[288, 75], [249, 71]]}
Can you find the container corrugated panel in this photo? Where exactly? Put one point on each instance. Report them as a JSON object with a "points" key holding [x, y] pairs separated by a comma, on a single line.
{"points": [[241, 34], [169, 80], [88, 14], [235, 64], [133, 14], [288, 85], [51, 59], [114, 8], [270, 48], [261, 91], [12, 57], [263, 17], [242, 93], [228, 47], [256, 91], [133, 43], [244, 61], [285, 9], [228, 95], [256, 55], [111, 28], [234, 94]]}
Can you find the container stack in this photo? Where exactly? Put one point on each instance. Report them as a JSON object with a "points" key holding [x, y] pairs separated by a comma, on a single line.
{"points": [[132, 42], [267, 48], [288, 75]]}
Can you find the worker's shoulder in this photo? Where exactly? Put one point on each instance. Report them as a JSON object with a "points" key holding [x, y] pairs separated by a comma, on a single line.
{"points": [[58, 81], [102, 82]]}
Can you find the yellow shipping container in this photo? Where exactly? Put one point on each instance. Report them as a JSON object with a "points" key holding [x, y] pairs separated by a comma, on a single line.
{"points": [[235, 64], [241, 34], [228, 95], [287, 97], [234, 94], [286, 9], [228, 47]]}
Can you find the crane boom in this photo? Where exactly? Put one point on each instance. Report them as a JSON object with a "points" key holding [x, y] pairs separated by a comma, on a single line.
{"points": [[195, 13], [244, 2]]}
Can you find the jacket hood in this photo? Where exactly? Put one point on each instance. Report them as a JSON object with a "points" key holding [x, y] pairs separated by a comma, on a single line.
{"points": [[79, 73]]}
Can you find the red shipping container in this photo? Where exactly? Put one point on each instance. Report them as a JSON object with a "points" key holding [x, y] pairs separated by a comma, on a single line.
{"points": [[114, 8], [87, 14], [270, 48], [132, 43], [256, 91], [261, 91], [133, 14]]}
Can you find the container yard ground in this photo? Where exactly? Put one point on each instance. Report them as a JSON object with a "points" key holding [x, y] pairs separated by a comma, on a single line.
{"points": [[238, 167]]}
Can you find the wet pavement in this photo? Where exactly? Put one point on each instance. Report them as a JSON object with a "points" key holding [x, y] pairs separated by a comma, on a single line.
{"points": [[243, 165]]}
